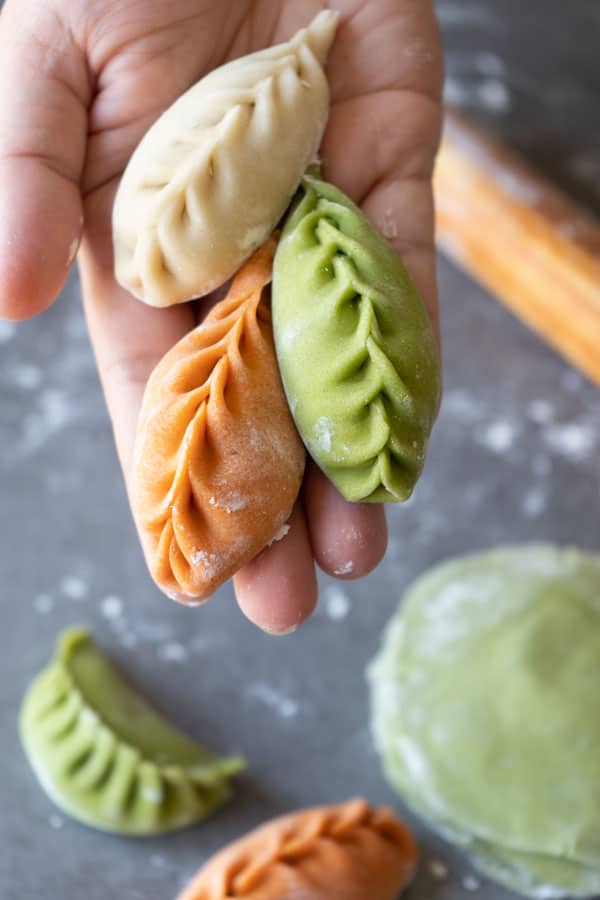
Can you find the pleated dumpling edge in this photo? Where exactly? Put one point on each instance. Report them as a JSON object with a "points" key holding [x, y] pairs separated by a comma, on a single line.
{"points": [[214, 174], [108, 759]]}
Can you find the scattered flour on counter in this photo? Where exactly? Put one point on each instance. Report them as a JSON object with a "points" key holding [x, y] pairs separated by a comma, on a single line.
{"points": [[173, 652], [154, 632], [438, 869], [157, 861], [53, 412], [43, 604], [25, 376], [494, 96], [498, 437], [279, 703], [488, 63], [573, 440], [470, 883], [56, 822], [535, 502], [488, 94], [337, 603], [461, 405], [7, 331], [540, 411], [74, 587], [456, 93], [111, 607]]}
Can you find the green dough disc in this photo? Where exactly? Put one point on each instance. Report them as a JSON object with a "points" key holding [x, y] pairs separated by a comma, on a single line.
{"points": [[485, 705], [105, 757], [355, 347]]}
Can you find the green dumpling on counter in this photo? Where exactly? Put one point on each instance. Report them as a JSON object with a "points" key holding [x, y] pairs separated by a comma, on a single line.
{"points": [[485, 711], [105, 757], [355, 346]]}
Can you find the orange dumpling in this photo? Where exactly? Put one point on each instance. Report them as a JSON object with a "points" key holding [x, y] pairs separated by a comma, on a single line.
{"points": [[218, 461], [350, 852]]}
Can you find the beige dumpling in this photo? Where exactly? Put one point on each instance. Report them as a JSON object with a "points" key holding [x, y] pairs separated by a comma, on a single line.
{"points": [[215, 173]]}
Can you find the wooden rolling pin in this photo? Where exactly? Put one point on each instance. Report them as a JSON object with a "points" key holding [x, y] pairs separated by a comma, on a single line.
{"points": [[523, 239]]}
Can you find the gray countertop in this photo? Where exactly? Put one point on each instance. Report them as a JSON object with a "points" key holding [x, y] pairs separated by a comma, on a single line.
{"points": [[514, 458]]}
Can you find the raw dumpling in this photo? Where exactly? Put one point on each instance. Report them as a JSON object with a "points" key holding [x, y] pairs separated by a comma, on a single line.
{"points": [[213, 176], [218, 461], [350, 852], [485, 697], [108, 759], [356, 349]]}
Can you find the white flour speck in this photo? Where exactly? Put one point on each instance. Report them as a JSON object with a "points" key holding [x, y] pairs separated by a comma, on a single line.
{"points": [[573, 440], [282, 705], [337, 603], [470, 883], [43, 603], [56, 822], [279, 535], [488, 94], [534, 502], [88, 716], [111, 607], [157, 861], [438, 869], [388, 226], [345, 568], [25, 376], [488, 63], [499, 436], [540, 411], [455, 92], [324, 433], [461, 405], [173, 652], [232, 501], [52, 413], [74, 587], [494, 96], [7, 331], [152, 794], [208, 564]]}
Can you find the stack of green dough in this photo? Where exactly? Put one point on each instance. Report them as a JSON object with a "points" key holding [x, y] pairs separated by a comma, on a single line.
{"points": [[485, 704]]}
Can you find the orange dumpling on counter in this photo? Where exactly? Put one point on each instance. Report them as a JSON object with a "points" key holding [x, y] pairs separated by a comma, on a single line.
{"points": [[350, 852], [218, 462]]}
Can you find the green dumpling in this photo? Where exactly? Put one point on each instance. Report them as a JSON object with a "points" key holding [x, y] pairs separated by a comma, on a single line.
{"points": [[485, 712], [105, 757], [355, 346]]}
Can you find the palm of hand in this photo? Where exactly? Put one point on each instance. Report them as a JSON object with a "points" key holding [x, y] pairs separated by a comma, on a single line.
{"points": [[118, 66]]}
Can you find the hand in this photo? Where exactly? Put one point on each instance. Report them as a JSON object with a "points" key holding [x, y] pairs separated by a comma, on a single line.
{"points": [[80, 83]]}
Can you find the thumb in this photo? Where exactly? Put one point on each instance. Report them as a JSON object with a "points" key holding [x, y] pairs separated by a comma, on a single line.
{"points": [[44, 93]]}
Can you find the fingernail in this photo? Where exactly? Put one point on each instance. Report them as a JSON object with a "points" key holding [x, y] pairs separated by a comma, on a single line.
{"points": [[277, 632]]}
